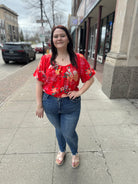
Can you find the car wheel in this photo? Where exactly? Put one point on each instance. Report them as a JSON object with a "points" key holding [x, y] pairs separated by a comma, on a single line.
{"points": [[27, 60], [6, 61], [34, 57]]}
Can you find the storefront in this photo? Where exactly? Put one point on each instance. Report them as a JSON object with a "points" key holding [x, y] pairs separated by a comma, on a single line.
{"points": [[105, 37], [89, 10], [95, 34]]}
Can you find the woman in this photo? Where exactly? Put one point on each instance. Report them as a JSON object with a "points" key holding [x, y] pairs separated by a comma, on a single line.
{"points": [[57, 91]]}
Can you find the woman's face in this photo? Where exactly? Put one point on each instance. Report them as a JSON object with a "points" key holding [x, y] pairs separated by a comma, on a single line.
{"points": [[60, 39]]}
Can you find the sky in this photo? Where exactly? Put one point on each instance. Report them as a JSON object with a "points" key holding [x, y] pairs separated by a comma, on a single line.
{"points": [[26, 18]]}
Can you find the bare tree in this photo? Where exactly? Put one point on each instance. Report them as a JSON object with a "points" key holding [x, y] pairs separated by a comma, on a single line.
{"points": [[50, 10], [52, 2], [59, 18], [21, 36], [26, 36], [34, 38]]}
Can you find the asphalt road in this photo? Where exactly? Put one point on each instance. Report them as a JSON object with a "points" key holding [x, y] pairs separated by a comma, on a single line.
{"points": [[8, 69], [13, 76]]}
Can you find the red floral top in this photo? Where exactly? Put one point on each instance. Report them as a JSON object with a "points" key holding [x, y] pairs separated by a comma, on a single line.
{"points": [[58, 80]]}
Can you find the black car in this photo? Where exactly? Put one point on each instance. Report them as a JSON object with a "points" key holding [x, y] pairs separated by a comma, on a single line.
{"points": [[21, 52]]}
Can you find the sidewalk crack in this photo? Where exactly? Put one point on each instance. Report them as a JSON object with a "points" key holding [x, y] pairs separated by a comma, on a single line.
{"points": [[107, 167]]}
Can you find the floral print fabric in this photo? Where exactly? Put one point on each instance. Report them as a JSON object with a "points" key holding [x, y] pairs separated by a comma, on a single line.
{"points": [[58, 80]]}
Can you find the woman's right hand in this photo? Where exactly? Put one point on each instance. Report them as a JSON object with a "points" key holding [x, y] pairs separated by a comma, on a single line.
{"points": [[40, 112]]}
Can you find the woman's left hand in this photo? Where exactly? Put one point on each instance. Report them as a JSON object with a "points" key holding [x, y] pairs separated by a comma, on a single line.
{"points": [[73, 94], [86, 85]]}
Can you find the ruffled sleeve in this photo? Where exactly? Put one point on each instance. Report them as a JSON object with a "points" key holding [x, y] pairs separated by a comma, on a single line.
{"points": [[85, 70], [40, 72]]}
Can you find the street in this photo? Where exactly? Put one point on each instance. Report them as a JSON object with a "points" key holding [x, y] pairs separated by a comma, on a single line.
{"points": [[7, 69], [12, 67], [13, 76]]}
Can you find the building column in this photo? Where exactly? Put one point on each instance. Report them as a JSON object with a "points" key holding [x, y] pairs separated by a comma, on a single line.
{"points": [[84, 38], [120, 78], [98, 36], [76, 41], [87, 36], [81, 40]]}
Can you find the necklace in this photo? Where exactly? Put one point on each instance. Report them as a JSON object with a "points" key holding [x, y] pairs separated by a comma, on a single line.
{"points": [[63, 60]]}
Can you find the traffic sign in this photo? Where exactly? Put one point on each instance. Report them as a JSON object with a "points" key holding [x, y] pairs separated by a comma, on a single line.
{"points": [[41, 21], [42, 37], [41, 30]]}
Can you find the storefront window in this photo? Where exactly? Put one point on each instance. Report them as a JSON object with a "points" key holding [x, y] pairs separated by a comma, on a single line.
{"points": [[103, 32], [109, 28], [106, 36], [102, 37], [92, 40]]}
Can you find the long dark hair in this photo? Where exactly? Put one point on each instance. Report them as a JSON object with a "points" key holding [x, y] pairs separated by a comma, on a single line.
{"points": [[70, 50]]}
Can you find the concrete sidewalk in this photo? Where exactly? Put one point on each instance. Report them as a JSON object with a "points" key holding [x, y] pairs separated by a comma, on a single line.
{"points": [[108, 141]]}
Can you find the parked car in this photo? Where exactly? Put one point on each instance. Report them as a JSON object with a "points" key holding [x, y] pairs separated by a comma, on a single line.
{"points": [[1, 45], [18, 51], [39, 48]]}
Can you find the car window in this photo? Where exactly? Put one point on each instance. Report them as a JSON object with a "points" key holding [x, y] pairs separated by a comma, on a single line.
{"points": [[15, 47], [29, 47], [25, 47]]}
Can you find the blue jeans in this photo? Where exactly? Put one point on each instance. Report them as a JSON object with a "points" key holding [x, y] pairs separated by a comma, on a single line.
{"points": [[63, 113]]}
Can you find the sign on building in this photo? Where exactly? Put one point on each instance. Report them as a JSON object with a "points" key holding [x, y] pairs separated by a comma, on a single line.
{"points": [[73, 21]]}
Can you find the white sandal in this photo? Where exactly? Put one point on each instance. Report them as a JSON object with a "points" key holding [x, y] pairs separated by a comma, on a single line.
{"points": [[60, 158], [75, 160]]}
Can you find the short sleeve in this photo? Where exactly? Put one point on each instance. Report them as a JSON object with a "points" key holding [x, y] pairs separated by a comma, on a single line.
{"points": [[40, 72], [85, 70]]}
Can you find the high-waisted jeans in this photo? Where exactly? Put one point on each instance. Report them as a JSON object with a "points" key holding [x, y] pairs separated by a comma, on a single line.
{"points": [[63, 113]]}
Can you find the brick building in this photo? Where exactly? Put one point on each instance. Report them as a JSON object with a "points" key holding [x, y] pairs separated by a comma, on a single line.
{"points": [[8, 25]]}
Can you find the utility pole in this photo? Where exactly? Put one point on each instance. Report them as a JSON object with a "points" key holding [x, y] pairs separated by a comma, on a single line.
{"points": [[41, 7], [53, 15]]}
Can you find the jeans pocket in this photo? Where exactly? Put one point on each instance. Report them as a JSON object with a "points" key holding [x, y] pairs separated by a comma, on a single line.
{"points": [[45, 96], [76, 100]]}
